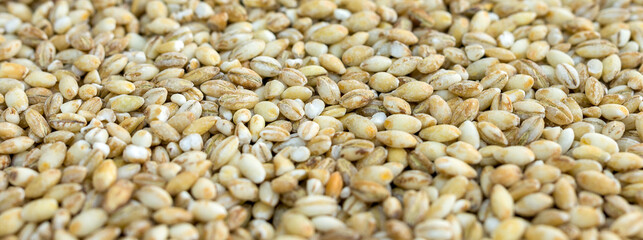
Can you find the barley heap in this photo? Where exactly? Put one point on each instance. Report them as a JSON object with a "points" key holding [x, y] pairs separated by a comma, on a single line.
{"points": [[321, 119]]}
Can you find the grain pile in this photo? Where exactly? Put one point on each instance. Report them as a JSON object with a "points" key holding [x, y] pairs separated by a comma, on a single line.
{"points": [[321, 119]]}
